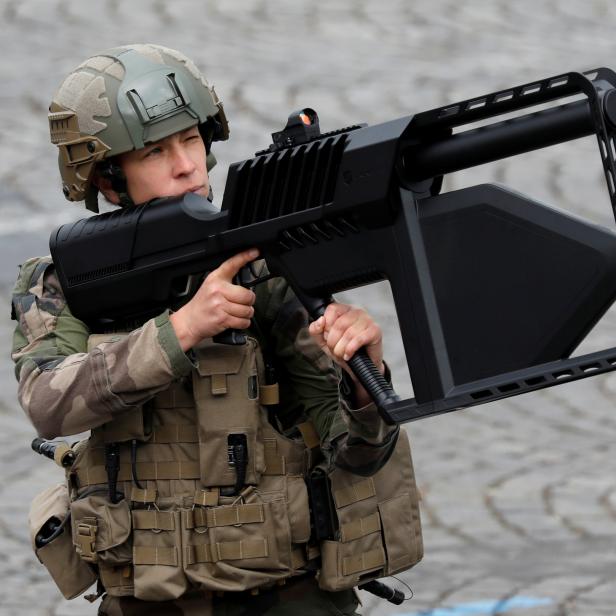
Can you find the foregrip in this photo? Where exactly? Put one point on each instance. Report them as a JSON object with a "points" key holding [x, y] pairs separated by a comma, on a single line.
{"points": [[373, 381], [381, 392]]}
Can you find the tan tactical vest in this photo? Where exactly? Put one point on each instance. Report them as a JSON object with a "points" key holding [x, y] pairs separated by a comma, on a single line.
{"points": [[181, 530]]}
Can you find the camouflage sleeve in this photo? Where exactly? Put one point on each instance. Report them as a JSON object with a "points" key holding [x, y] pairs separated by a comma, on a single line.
{"points": [[311, 387], [63, 388]]}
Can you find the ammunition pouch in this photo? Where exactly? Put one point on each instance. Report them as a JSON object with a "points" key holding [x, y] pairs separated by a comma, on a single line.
{"points": [[101, 530], [226, 390], [377, 530], [52, 544]]}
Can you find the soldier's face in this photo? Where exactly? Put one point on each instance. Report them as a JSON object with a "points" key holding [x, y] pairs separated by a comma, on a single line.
{"points": [[167, 168]]}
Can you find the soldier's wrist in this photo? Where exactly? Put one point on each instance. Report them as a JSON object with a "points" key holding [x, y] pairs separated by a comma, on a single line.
{"points": [[354, 393], [187, 339]]}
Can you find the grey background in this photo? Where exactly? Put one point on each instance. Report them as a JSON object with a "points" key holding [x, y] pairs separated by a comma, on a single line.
{"points": [[519, 497]]}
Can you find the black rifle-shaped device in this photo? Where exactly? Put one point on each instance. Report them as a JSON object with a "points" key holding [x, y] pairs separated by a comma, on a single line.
{"points": [[492, 290]]}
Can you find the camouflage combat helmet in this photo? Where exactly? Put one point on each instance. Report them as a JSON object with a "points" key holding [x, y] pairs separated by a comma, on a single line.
{"points": [[121, 100]]}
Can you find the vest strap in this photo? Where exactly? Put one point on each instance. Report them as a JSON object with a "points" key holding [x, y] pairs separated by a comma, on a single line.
{"points": [[269, 394], [298, 558], [196, 519], [250, 513], [144, 496], [198, 554], [117, 576], [219, 384], [236, 514], [86, 538], [207, 497], [274, 463], [309, 434]]}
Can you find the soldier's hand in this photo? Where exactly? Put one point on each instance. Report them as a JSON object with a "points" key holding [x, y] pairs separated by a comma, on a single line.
{"points": [[342, 331], [217, 305]]}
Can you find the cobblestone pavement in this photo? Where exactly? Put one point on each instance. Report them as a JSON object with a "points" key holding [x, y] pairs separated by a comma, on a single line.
{"points": [[519, 497]]}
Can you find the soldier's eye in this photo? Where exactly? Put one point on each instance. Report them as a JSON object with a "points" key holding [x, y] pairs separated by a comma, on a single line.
{"points": [[153, 151]]}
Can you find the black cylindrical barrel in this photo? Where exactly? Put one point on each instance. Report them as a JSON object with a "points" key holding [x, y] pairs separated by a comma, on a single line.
{"points": [[495, 141]]}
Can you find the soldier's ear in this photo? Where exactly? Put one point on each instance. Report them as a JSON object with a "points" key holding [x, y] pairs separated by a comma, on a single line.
{"points": [[104, 186]]}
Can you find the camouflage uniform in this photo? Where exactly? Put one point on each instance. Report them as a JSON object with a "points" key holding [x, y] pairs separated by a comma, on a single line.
{"points": [[66, 390]]}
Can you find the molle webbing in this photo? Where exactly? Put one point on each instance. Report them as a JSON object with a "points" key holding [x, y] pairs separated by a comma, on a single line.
{"points": [[367, 561], [204, 553], [175, 433], [360, 528], [95, 475], [232, 515], [354, 493], [178, 395], [275, 463], [143, 495], [227, 550], [153, 519], [165, 434], [155, 555]]}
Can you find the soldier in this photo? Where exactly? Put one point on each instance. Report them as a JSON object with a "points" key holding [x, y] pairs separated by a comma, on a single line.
{"points": [[189, 495]]}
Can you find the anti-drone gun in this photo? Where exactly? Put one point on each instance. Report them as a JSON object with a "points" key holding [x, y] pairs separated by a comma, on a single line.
{"points": [[493, 291]]}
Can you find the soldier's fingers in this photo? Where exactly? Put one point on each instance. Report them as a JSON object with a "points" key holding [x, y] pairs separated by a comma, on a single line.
{"points": [[229, 268], [370, 338], [352, 318], [340, 346], [357, 329], [316, 330], [333, 312], [236, 323], [239, 310], [237, 294]]}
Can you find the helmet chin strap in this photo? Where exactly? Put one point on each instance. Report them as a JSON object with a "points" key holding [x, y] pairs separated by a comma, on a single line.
{"points": [[125, 200], [111, 171]]}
